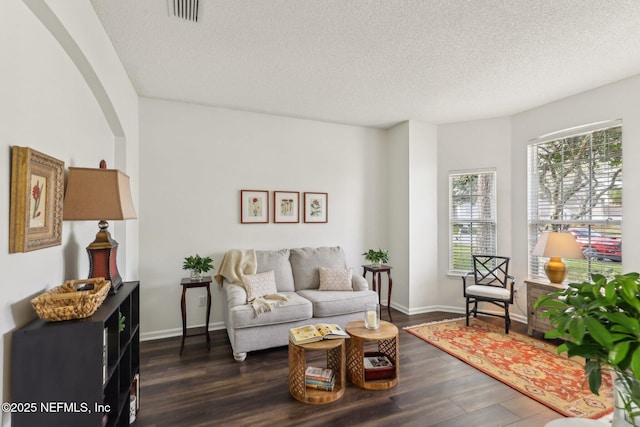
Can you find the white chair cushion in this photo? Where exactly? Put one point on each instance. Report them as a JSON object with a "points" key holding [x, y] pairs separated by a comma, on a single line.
{"points": [[488, 292]]}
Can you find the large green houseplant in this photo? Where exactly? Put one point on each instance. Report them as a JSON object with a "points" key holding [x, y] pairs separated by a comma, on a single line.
{"points": [[600, 322]]}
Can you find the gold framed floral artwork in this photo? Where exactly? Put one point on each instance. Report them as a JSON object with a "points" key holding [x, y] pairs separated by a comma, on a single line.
{"points": [[286, 206], [37, 192], [316, 207], [254, 206]]}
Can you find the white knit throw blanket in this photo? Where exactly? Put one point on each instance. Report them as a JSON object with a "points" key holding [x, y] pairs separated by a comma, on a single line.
{"points": [[237, 262], [268, 303]]}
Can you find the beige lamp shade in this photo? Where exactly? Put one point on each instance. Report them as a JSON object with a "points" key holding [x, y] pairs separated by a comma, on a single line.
{"points": [[98, 194], [558, 245]]}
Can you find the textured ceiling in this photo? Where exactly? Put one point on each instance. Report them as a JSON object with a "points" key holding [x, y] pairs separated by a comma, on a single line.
{"points": [[375, 62]]}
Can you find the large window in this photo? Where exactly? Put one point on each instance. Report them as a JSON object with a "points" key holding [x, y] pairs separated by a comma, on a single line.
{"points": [[575, 185], [472, 217]]}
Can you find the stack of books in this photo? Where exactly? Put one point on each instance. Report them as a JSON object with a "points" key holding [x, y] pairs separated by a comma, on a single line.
{"points": [[320, 378]]}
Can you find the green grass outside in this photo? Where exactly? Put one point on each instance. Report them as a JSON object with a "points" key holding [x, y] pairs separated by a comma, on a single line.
{"points": [[578, 269]]}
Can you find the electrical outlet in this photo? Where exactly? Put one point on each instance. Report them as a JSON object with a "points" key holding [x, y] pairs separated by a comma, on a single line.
{"points": [[201, 301]]}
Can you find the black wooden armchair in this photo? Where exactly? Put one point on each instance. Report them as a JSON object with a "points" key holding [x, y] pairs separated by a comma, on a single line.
{"points": [[489, 282]]}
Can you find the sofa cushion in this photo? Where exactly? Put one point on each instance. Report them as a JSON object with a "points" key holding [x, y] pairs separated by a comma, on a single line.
{"points": [[278, 261], [295, 309], [359, 283], [334, 303], [259, 285], [335, 279], [306, 261]]}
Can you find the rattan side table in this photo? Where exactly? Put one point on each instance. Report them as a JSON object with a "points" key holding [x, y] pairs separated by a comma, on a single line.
{"points": [[298, 366], [386, 337]]}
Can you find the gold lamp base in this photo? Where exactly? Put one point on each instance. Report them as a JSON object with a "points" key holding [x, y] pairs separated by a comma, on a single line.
{"points": [[556, 270]]}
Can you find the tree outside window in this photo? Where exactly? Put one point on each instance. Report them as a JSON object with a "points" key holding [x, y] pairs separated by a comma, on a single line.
{"points": [[575, 185], [472, 217]]}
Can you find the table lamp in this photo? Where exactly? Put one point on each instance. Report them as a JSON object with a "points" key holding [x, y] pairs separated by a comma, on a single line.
{"points": [[100, 195], [556, 245]]}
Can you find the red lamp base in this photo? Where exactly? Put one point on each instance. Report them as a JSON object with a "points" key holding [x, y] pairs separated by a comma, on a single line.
{"points": [[102, 259]]}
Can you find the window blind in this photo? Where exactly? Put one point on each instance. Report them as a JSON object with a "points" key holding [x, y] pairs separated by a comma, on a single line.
{"points": [[472, 217], [575, 185]]}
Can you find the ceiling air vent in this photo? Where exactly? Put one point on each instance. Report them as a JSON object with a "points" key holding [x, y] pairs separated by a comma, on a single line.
{"points": [[186, 9]]}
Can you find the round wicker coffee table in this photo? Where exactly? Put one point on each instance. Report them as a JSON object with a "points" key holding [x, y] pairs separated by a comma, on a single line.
{"points": [[386, 337], [298, 367]]}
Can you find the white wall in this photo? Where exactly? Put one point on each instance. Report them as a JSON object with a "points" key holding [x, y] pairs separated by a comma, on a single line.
{"points": [[194, 162], [481, 144], [413, 222], [399, 218], [50, 105], [423, 231]]}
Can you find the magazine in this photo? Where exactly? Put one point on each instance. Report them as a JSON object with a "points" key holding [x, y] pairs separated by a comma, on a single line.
{"points": [[319, 332], [377, 362]]}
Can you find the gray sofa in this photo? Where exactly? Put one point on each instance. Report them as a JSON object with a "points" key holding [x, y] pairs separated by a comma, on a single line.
{"points": [[297, 276]]}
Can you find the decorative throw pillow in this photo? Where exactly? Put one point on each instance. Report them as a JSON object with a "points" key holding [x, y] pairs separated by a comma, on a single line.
{"points": [[278, 261], [259, 285], [335, 279]]}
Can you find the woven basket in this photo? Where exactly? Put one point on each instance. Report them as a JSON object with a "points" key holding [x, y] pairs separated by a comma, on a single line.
{"points": [[65, 302]]}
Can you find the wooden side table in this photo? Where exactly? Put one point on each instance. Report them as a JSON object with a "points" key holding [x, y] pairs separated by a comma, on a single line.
{"points": [[188, 283], [298, 368], [386, 337], [535, 289], [377, 271]]}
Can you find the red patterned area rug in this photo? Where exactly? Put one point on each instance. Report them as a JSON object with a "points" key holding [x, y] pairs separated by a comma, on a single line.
{"points": [[528, 365]]}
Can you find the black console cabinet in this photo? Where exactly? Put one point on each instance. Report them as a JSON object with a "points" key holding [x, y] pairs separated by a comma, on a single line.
{"points": [[74, 372]]}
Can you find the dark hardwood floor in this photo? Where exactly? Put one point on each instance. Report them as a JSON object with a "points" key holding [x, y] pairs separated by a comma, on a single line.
{"points": [[209, 388]]}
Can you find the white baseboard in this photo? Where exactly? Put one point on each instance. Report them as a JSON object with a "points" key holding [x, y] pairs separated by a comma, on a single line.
{"points": [[450, 309], [177, 332]]}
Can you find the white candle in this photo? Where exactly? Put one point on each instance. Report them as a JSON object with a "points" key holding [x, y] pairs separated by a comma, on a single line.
{"points": [[371, 319]]}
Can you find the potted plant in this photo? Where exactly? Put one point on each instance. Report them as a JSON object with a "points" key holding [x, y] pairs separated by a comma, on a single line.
{"points": [[197, 265], [600, 322], [377, 258]]}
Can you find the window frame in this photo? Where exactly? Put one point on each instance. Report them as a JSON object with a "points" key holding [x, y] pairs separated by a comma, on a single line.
{"points": [[455, 269], [596, 224]]}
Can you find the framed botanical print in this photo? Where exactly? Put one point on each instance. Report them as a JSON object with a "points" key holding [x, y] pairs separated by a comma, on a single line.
{"points": [[254, 206], [316, 207], [286, 206], [37, 193]]}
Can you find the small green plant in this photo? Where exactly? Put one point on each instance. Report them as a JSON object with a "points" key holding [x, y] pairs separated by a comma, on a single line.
{"points": [[600, 322], [121, 322], [380, 256], [197, 264]]}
